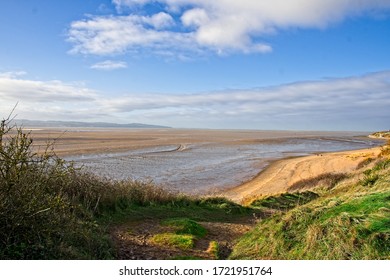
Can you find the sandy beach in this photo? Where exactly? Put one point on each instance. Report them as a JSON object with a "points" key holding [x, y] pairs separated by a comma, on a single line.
{"points": [[281, 174]]}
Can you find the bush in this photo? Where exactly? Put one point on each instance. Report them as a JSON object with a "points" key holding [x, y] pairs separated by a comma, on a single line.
{"points": [[39, 209]]}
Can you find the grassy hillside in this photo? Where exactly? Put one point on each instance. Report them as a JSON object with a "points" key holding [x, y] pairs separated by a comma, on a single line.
{"points": [[349, 221]]}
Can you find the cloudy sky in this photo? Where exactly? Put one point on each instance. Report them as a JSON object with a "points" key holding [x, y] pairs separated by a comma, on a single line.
{"points": [[250, 64]]}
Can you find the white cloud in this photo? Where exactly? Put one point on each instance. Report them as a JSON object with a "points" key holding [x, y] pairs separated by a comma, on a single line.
{"points": [[338, 101], [309, 96], [14, 88], [359, 102], [195, 17], [53, 99], [12, 74], [160, 20], [109, 65], [109, 35], [221, 26]]}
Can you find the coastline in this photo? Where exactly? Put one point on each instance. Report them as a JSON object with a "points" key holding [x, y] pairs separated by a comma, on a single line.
{"points": [[280, 174]]}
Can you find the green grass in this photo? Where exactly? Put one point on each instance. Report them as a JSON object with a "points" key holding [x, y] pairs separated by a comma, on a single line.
{"points": [[185, 226], [182, 233], [285, 201], [182, 241], [352, 221]]}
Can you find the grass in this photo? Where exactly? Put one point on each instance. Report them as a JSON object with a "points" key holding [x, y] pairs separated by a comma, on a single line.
{"points": [[213, 249], [326, 180], [181, 241], [351, 221], [185, 226], [285, 201], [184, 233], [385, 151]]}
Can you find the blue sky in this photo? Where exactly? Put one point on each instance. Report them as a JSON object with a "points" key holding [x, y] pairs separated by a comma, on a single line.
{"points": [[299, 64]]}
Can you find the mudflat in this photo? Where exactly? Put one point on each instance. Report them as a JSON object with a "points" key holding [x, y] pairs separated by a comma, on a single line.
{"points": [[233, 163], [76, 141]]}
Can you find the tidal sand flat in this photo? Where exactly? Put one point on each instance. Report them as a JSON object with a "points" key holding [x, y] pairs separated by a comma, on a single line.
{"points": [[192, 161]]}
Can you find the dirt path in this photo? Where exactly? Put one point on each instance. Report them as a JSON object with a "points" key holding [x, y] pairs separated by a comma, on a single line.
{"points": [[281, 174], [133, 242]]}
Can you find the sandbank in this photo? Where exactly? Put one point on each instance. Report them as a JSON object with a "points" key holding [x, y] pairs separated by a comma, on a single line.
{"points": [[281, 174]]}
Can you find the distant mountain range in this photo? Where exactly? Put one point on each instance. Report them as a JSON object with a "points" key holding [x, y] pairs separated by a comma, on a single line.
{"points": [[35, 123]]}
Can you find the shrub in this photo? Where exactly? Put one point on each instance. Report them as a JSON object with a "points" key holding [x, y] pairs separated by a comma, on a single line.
{"points": [[39, 209]]}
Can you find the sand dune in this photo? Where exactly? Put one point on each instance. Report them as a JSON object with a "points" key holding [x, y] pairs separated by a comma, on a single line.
{"points": [[281, 174]]}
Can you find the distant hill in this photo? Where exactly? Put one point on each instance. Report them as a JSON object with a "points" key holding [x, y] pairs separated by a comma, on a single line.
{"points": [[35, 123]]}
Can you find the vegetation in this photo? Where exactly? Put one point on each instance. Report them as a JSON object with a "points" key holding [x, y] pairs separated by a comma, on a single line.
{"points": [[185, 226], [214, 249], [352, 221], [182, 241], [182, 233], [326, 180], [285, 201], [385, 151]]}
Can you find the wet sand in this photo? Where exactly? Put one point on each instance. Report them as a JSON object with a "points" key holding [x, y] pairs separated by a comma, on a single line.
{"points": [[78, 141], [205, 161]]}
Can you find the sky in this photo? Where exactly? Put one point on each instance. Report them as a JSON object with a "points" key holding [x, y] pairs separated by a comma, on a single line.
{"points": [[221, 64]]}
